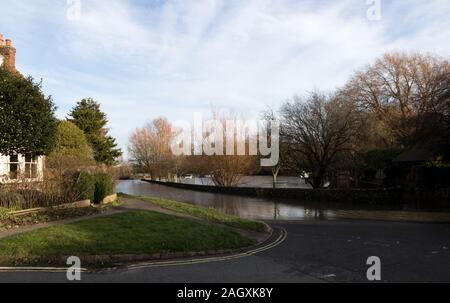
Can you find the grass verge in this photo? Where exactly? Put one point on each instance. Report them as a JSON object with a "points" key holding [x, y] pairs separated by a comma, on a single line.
{"points": [[120, 234], [204, 213]]}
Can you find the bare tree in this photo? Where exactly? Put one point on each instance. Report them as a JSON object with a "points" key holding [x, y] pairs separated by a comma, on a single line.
{"points": [[226, 169], [401, 90], [269, 116], [317, 130], [443, 113], [150, 148]]}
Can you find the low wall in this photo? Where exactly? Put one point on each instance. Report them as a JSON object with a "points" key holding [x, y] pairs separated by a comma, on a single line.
{"points": [[110, 199], [79, 204], [366, 196]]}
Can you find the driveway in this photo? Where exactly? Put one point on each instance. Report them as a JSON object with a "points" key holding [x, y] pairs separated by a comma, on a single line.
{"points": [[314, 251]]}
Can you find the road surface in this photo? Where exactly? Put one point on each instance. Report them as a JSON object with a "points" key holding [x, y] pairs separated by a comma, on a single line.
{"points": [[314, 251]]}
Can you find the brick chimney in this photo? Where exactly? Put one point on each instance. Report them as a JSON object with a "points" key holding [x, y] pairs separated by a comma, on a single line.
{"points": [[8, 54]]}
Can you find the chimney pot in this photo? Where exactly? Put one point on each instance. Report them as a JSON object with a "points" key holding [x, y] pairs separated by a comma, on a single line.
{"points": [[1, 39], [8, 42]]}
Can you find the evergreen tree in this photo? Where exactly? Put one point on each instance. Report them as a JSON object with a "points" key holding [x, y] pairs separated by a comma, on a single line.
{"points": [[27, 117], [87, 115]]}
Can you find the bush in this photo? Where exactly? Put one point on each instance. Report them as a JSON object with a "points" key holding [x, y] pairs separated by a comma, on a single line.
{"points": [[92, 186], [4, 214], [11, 200], [71, 142], [84, 186], [35, 198], [103, 187]]}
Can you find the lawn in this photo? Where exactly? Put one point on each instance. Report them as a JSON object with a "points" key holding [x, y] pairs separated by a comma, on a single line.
{"points": [[206, 213], [120, 234]]}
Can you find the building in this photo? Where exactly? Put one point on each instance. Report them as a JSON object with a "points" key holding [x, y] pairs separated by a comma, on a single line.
{"points": [[14, 167]]}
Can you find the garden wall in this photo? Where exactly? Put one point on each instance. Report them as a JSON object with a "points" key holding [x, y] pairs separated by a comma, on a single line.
{"points": [[365, 196]]}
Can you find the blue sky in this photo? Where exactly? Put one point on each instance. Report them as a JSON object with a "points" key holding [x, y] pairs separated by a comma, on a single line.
{"points": [[143, 59]]}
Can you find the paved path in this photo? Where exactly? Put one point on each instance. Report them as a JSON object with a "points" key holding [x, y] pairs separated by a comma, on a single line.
{"points": [[319, 251]]}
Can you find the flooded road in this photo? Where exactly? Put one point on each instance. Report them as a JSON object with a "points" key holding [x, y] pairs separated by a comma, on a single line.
{"points": [[244, 207], [256, 181], [288, 209]]}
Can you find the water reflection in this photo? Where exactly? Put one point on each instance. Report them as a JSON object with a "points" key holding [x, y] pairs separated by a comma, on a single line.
{"points": [[256, 181], [244, 207]]}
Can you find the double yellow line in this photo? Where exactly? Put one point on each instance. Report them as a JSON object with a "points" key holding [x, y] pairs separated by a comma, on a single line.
{"points": [[281, 238], [40, 269]]}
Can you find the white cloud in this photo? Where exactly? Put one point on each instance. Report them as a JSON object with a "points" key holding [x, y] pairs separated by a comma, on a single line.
{"points": [[175, 57]]}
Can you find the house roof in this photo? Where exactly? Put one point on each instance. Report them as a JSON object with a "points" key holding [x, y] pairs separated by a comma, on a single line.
{"points": [[419, 153]]}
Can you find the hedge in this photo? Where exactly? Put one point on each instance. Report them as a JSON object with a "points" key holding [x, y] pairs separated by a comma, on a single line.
{"points": [[94, 187], [103, 187], [84, 185]]}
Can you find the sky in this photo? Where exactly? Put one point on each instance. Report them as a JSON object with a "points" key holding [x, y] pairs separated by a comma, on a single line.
{"points": [[146, 59]]}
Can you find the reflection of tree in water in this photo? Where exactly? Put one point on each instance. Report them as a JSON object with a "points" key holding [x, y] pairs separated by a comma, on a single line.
{"points": [[256, 208], [246, 208], [316, 213], [276, 212], [227, 205]]}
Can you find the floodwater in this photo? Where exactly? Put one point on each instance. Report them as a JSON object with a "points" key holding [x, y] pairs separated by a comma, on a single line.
{"points": [[244, 207], [256, 181], [248, 207]]}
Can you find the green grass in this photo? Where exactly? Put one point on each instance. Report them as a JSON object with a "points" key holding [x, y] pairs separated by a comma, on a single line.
{"points": [[206, 213], [128, 233]]}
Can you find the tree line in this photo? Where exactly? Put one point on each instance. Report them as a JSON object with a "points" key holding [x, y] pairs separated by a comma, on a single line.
{"points": [[399, 101]]}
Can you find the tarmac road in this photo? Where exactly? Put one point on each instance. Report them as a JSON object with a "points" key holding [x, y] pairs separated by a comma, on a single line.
{"points": [[313, 251]]}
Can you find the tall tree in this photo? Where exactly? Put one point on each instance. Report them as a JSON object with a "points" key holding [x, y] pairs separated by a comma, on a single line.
{"points": [[150, 148], [443, 110], [317, 131], [88, 116], [401, 90], [27, 119]]}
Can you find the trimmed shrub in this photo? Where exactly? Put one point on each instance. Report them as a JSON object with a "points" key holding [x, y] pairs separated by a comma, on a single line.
{"points": [[71, 142], [103, 187], [84, 186]]}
